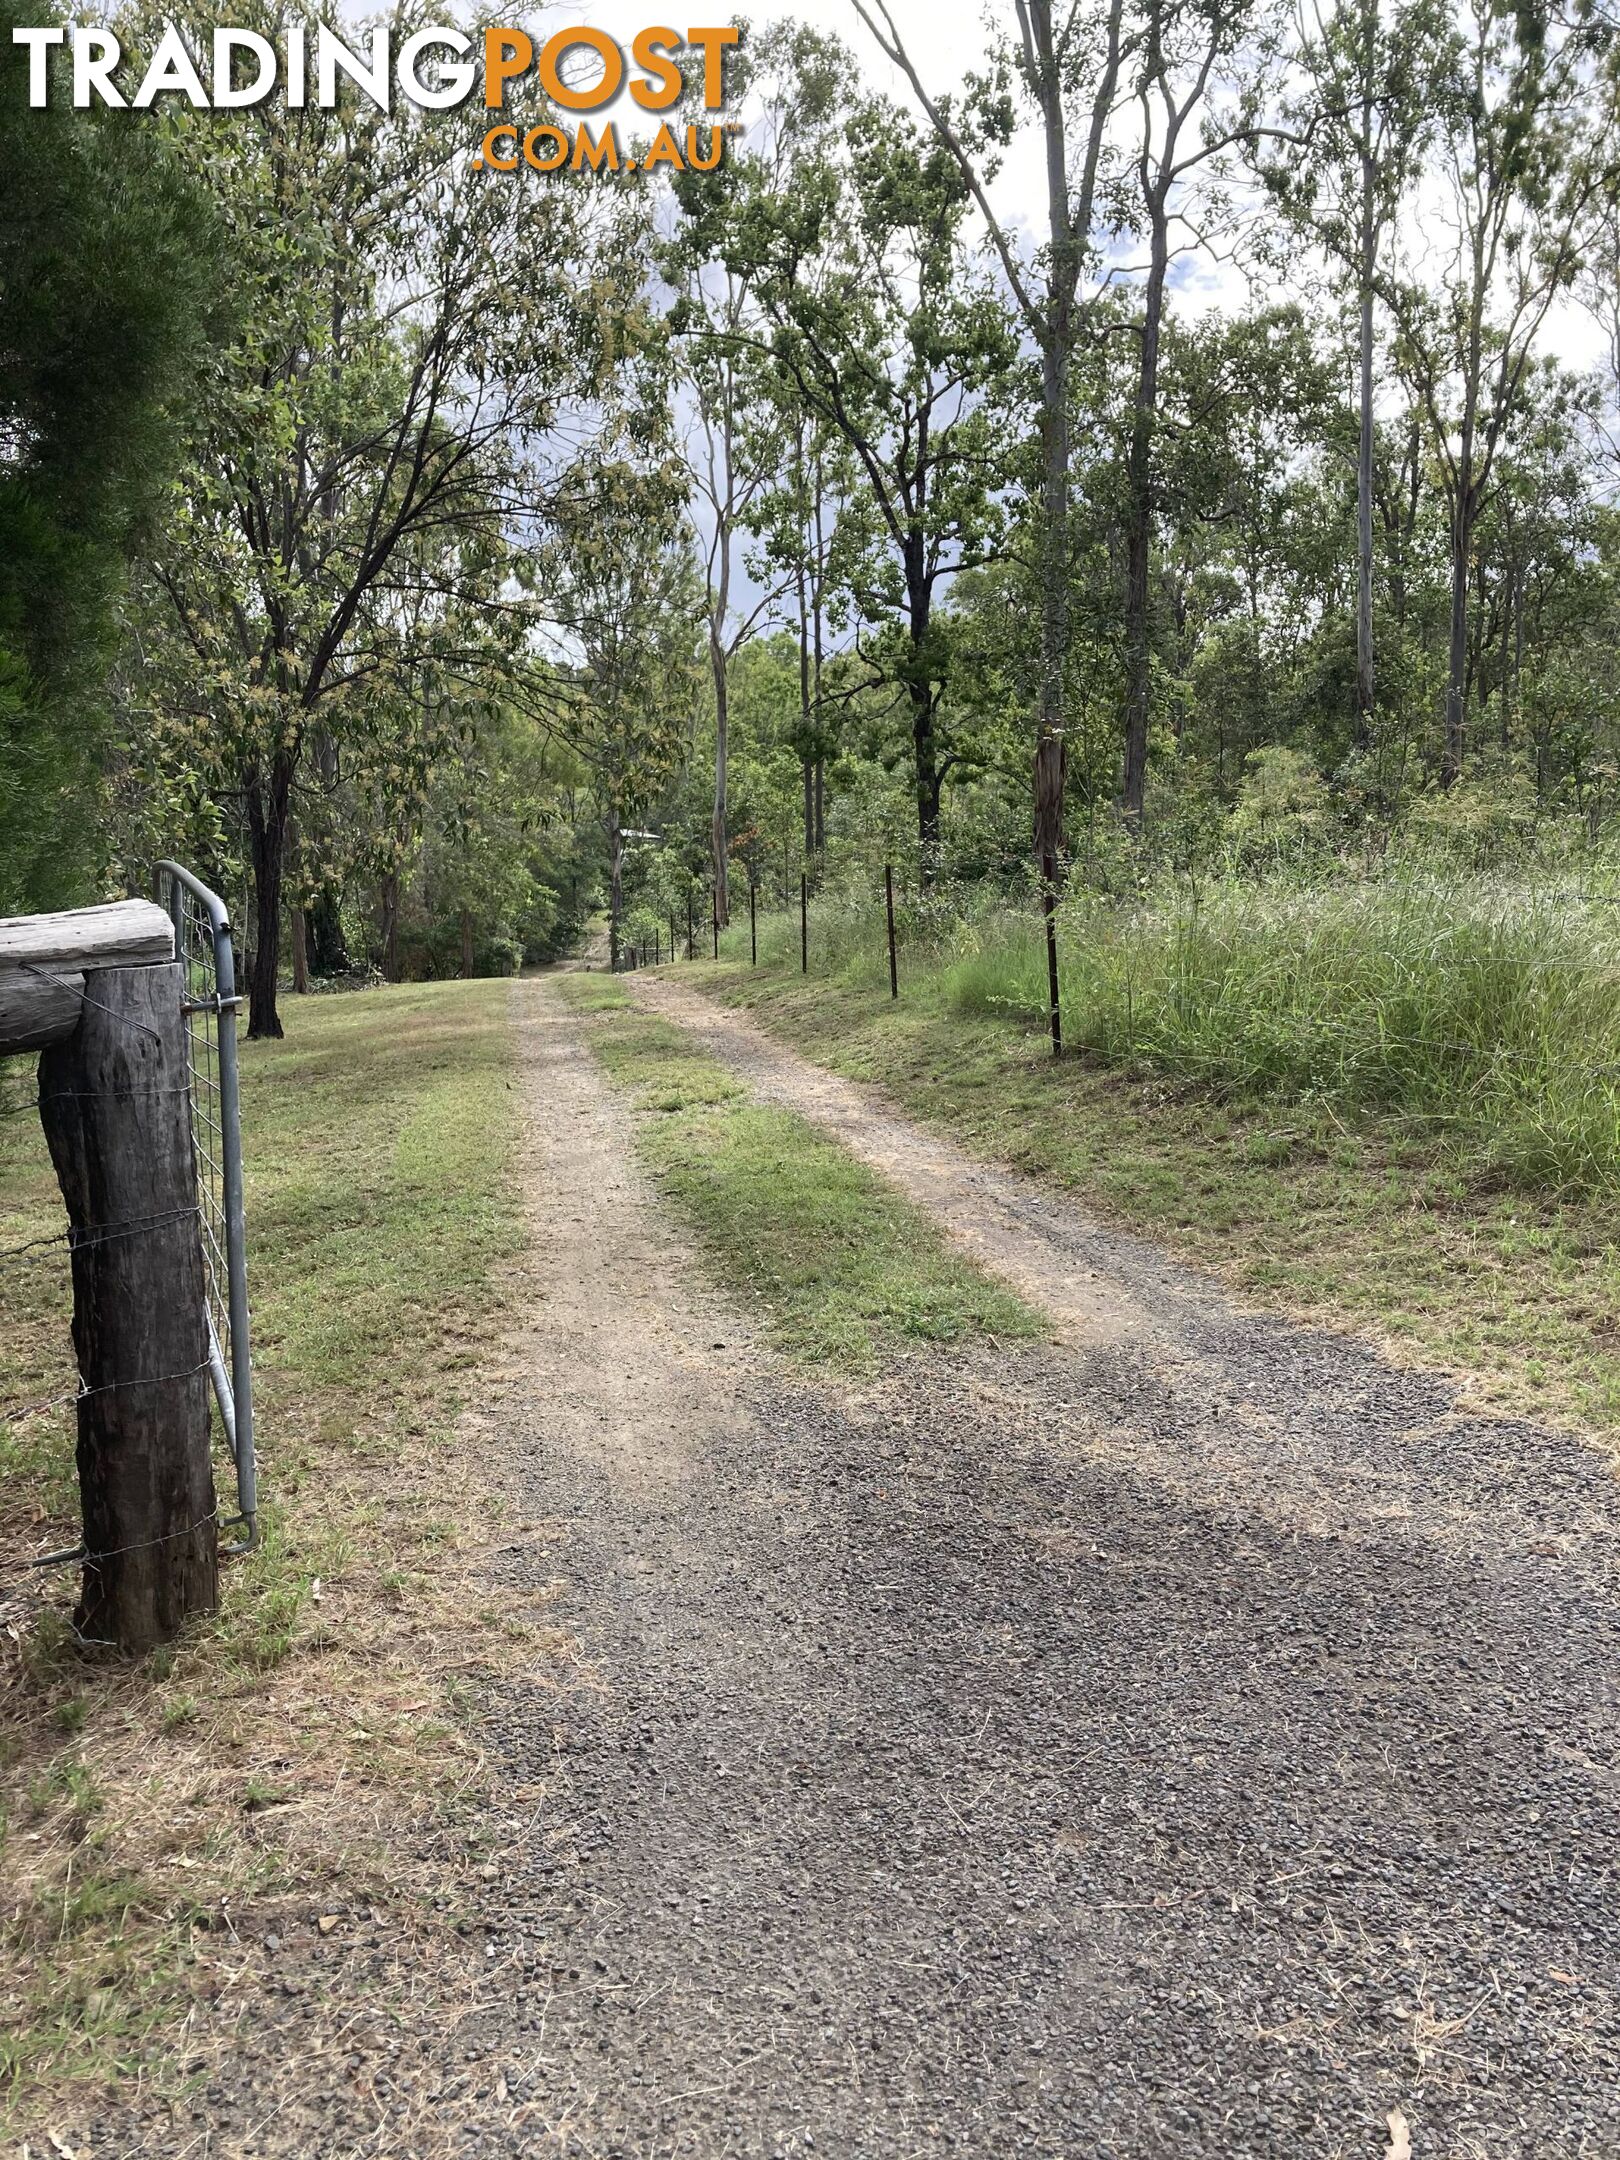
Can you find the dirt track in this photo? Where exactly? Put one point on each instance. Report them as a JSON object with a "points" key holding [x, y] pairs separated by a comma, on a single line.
{"points": [[1086, 1752], [1191, 1738]]}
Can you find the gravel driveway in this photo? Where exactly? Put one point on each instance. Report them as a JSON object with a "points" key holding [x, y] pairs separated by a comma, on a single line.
{"points": [[1191, 1737], [1073, 1751]]}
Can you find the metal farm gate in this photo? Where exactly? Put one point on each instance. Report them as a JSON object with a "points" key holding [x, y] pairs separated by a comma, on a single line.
{"points": [[202, 943]]}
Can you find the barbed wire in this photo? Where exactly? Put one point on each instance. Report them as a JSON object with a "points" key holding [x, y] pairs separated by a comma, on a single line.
{"points": [[115, 1552], [37, 1102], [78, 1557], [77, 989], [18, 1414], [112, 1387], [79, 1240], [14, 1414]]}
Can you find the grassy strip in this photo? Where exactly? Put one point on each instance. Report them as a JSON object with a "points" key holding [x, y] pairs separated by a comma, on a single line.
{"points": [[1484, 1013], [1296, 1204], [268, 1759], [845, 1269]]}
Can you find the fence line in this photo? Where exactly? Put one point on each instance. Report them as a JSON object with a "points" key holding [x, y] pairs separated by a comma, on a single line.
{"points": [[1488, 1055], [74, 1240]]}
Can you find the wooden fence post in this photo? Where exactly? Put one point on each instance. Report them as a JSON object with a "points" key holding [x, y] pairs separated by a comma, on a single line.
{"points": [[888, 903], [1049, 910], [804, 924], [116, 1107], [716, 913], [753, 928]]}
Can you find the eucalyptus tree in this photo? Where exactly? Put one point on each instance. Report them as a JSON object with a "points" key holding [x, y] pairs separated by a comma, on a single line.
{"points": [[754, 455], [1527, 151], [879, 321], [800, 549], [1249, 486], [1199, 76], [1543, 552], [1064, 64], [395, 409], [629, 603], [1343, 167], [733, 448]]}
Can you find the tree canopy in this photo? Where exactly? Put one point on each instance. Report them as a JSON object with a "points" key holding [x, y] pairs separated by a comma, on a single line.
{"points": [[394, 537]]}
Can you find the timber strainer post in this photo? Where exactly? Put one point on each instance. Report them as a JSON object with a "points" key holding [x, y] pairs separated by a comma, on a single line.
{"points": [[138, 1121]]}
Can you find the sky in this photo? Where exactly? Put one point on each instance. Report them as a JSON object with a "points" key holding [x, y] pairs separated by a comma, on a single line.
{"points": [[947, 37], [953, 34]]}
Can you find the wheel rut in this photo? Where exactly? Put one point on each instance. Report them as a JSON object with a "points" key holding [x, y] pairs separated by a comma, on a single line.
{"points": [[1068, 1750]]}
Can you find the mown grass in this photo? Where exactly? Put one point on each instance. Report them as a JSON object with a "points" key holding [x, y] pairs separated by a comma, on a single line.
{"points": [[264, 1758], [1355, 1211], [844, 1270]]}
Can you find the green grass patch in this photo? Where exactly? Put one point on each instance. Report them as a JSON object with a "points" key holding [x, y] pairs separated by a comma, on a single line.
{"points": [[383, 1216], [1485, 1016], [844, 1269], [1300, 1201]]}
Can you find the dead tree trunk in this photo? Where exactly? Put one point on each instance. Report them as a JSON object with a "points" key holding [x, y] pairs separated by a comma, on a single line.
{"points": [[117, 1115]]}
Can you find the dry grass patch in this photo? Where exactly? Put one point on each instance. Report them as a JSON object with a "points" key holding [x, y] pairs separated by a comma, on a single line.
{"points": [[303, 1765]]}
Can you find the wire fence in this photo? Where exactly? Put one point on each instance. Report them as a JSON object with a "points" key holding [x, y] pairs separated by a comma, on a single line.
{"points": [[1324, 1032], [208, 1004]]}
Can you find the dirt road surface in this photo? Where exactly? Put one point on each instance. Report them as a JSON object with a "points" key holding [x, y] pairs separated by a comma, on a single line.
{"points": [[1189, 1738], [1192, 1738]]}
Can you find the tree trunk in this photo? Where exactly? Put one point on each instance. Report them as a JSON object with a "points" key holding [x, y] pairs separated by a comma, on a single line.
{"points": [[328, 952], [616, 890], [466, 945], [1451, 757], [300, 933], [920, 689], [1365, 681], [818, 741], [1051, 742], [390, 925], [268, 797], [300, 953], [719, 855], [806, 720], [1139, 534], [1055, 334], [117, 1115], [1515, 667], [925, 751]]}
